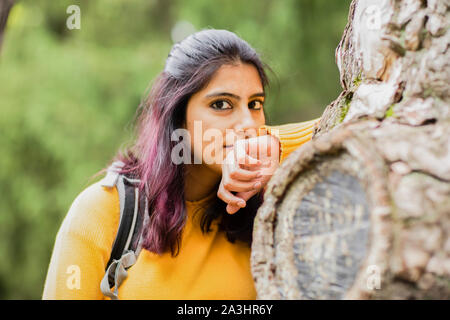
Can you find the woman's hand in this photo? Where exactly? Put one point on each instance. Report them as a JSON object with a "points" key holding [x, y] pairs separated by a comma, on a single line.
{"points": [[247, 169]]}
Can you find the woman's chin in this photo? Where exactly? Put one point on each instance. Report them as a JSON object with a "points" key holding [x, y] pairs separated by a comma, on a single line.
{"points": [[216, 168]]}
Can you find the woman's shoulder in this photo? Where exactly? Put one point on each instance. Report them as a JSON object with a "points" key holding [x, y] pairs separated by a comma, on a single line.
{"points": [[98, 198], [94, 214], [84, 240]]}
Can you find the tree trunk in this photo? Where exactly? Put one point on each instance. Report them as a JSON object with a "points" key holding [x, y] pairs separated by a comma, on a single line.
{"points": [[362, 211], [5, 8]]}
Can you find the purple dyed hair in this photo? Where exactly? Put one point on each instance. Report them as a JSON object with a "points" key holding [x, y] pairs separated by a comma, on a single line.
{"points": [[189, 67]]}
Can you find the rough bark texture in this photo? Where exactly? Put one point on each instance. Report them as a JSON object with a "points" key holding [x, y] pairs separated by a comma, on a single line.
{"points": [[368, 198]]}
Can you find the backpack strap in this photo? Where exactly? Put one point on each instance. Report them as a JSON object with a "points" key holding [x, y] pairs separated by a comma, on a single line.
{"points": [[127, 244]]}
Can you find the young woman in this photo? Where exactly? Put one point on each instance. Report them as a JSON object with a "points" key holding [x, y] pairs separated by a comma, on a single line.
{"points": [[196, 243]]}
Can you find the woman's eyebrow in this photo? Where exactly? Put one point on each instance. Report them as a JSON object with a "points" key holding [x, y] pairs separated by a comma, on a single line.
{"points": [[221, 94]]}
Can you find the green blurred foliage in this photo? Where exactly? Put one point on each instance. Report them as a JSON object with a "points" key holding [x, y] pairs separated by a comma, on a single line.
{"points": [[68, 97]]}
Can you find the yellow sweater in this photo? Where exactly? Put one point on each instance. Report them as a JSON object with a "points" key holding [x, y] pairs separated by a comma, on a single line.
{"points": [[208, 266]]}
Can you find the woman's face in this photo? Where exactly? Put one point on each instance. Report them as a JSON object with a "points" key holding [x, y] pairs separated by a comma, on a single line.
{"points": [[230, 107]]}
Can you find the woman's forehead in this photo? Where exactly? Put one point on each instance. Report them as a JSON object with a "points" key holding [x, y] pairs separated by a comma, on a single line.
{"points": [[242, 80]]}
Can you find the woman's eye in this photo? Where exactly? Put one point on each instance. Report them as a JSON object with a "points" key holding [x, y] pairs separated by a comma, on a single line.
{"points": [[221, 105], [256, 105]]}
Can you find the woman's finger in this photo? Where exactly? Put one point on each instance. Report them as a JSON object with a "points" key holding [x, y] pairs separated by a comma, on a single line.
{"points": [[241, 154], [232, 209], [248, 161], [229, 198], [244, 175], [240, 186]]}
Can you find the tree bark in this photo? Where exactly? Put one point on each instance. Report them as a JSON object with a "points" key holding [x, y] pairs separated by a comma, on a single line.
{"points": [[5, 8], [362, 211]]}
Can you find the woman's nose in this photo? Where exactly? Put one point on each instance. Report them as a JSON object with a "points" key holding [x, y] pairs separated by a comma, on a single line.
{"points": [[246, 125]]}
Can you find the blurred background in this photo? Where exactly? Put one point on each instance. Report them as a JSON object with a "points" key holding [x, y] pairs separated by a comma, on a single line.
{"points": [[68, 97]]}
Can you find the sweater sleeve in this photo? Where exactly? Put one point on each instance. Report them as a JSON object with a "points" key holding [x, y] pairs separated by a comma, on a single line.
{"points": [[83, 245], [291, 135]]}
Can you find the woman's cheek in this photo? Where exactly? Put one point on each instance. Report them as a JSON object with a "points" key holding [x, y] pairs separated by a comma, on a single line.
{"points": [[196, 152], [214, 156]]}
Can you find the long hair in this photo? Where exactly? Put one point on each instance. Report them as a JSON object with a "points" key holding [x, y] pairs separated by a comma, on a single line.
{"points": [[189, 67]]}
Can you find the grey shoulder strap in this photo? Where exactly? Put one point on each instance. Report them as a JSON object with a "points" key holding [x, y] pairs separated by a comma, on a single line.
{"points": [[126, 245]]}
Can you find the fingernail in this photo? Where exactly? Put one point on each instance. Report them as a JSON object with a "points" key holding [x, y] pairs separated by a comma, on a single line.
{"points": [[257, 185], [241, 204]]}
